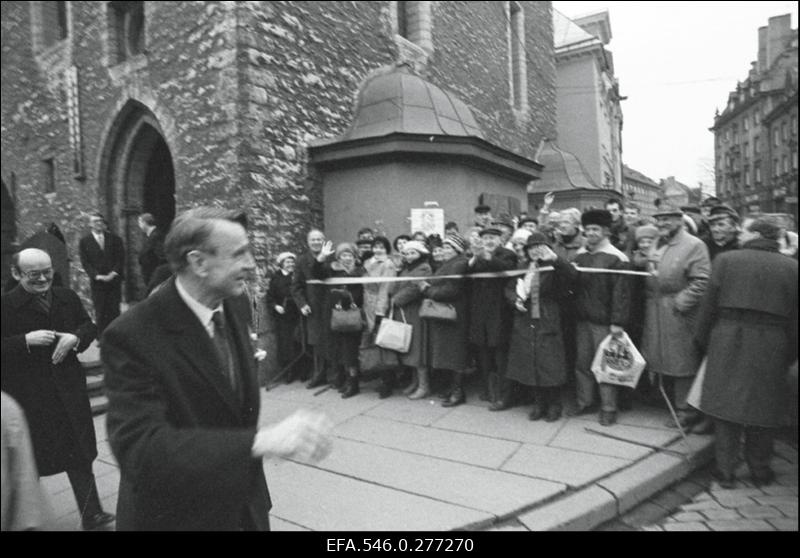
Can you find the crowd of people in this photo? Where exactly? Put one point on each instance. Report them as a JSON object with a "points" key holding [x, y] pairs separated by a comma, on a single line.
{"points": [[531, 337], [517, 305]]}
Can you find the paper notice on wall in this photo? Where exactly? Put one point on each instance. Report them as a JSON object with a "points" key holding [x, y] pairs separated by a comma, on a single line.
{"points": [[429, 220]]}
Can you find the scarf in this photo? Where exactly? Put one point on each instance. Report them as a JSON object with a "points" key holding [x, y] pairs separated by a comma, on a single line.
{"points": [[528, 289]]}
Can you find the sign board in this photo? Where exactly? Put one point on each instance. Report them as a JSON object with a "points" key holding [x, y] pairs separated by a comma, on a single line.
{"points": [[429, 220]]}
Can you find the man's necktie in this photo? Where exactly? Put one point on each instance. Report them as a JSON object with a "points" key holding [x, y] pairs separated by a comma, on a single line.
{"points": [[223, 344], [101, 240], [43, 303]]}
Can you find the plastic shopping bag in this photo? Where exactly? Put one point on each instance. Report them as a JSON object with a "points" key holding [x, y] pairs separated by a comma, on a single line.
{"points": [[618, 362]]}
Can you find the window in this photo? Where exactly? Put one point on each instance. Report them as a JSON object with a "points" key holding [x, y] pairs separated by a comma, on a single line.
{"points": [[756, 148], [745, 126], [794, 160], [414, 22], [746, 151], [757, 173], [518, 55], [127, 26], [785, 164], [755, 118], [776, 137], [746, 178], [49, 175], [776, 164], [784, 127]]}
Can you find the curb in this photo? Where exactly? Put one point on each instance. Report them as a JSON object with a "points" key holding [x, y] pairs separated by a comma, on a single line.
{"points": [[614, 495]]}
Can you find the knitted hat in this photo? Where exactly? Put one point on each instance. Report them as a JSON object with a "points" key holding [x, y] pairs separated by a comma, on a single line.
{"points": [[646, 231], [600, 217], [457, 241], [537, 238], [416, 245], [346, 247], [284, 256], [721, 211]]}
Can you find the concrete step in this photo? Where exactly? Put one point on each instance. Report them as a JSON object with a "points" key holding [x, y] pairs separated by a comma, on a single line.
{"points": [[99, 404]]}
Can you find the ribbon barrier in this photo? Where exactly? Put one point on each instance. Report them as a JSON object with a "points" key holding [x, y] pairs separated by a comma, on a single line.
{"points": [[482, 275]]}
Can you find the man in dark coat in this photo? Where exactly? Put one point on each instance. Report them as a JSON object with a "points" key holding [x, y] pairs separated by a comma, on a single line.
{"points": [[491, 318], [310, 299], [183, 393], [748, 325], [103, 260], [603, 308], [152, 253], [44, 328]]}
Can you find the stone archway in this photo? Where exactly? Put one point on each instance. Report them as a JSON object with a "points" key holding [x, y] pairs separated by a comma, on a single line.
{"points": [[137, 176]]}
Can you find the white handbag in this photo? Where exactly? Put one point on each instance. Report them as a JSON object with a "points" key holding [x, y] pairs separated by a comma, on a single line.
{"points": [[394, 335]]}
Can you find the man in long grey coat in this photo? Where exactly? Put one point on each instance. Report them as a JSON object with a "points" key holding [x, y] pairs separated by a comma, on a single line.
{"points": [[673, 297], [748, 323]]}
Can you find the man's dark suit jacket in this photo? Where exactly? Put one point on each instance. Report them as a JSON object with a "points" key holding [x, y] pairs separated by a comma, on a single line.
{"points": [[177, 430], [97, 261], [152, 254]]}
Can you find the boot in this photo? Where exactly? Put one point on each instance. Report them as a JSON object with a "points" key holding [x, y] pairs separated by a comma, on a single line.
{"points": [[457, 397], [503, 391], [317, 379], [350, 387], [423, 388], [387, 384], [338, 381], [487, 394], [412, 387]]}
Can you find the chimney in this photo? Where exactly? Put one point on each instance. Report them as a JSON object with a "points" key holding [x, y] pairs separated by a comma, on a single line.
{"points": [[762, 49], [778, 32]]}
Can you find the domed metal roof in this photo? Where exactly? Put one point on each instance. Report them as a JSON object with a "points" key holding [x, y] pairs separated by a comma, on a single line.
{"points": [[402, 102], [562, 170]]}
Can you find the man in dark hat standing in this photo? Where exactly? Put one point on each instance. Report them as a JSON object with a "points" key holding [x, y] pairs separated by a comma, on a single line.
{"points": [[708, 204], [724, 224], [602, 308], [682, 268], [490, 317]]}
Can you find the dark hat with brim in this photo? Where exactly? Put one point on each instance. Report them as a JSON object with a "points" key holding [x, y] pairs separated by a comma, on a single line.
{"points": [[711, 202], [491, 230], [528, 220], [690, 209], [668, 209], [483, 209], [722, 211], [536, 239], [600, 217]]}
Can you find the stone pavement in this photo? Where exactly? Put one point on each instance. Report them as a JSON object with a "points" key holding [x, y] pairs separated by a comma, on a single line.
{"points": [[745, 507], [409, 465]]}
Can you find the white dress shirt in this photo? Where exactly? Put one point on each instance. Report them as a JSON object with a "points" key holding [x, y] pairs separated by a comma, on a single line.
{"points": [[203, 312]]}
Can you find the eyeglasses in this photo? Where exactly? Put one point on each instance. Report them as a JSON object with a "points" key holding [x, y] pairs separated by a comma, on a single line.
{"points": [[38, 273]]}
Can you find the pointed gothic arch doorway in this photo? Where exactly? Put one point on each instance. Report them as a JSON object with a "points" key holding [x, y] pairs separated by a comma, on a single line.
{"points": [[138, 176]]}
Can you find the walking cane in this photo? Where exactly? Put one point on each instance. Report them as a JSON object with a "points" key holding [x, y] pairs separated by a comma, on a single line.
{"points": [[304, 350]]}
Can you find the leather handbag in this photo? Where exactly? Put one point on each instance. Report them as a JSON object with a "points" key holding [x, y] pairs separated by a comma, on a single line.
{"points": [[434, 310], [394, 335], [376, 359], [346, 321]]}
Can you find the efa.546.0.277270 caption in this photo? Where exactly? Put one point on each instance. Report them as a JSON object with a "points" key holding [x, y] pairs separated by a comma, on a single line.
{"points": [[400, 544]]}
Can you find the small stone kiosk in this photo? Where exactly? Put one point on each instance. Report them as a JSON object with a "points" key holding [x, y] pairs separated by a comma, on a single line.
{"points": [[410, 143]]}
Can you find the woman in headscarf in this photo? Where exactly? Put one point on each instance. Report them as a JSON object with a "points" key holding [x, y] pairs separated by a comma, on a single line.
{"points": [[536, 355], [445, 343], [406, 297], [343, 346]]}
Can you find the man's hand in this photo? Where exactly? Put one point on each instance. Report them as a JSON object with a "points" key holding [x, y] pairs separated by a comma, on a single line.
{"points": [[616, 331], [280, 309], [549, 197], [305, 435], [326, 252], [40, 338], [66, 342], [546, 253], [305, 310], [520, 304]]}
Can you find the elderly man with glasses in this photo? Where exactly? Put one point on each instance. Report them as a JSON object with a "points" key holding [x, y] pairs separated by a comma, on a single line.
{"points": [[44, 328]]}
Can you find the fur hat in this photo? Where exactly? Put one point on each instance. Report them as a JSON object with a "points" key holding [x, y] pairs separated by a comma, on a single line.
{"points": [[600, 217], [537, 238], [284, 256], [646, 231], [416, 245], [346, 247], [457, 241]]}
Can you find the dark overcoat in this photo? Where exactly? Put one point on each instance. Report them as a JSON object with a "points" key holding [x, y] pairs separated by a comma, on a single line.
{"points": [[152, 255], [536, 356], [313, 295], [748, 322], [446, 344], [406, 298], [490, 316], [53, 396], [342, 347], [179, 432]]}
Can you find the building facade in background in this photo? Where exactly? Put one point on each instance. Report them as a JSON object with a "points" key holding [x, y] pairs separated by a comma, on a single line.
{"points": [[589, 115], [126, 107], [638, 188], [755, 137], [678, 193]]}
